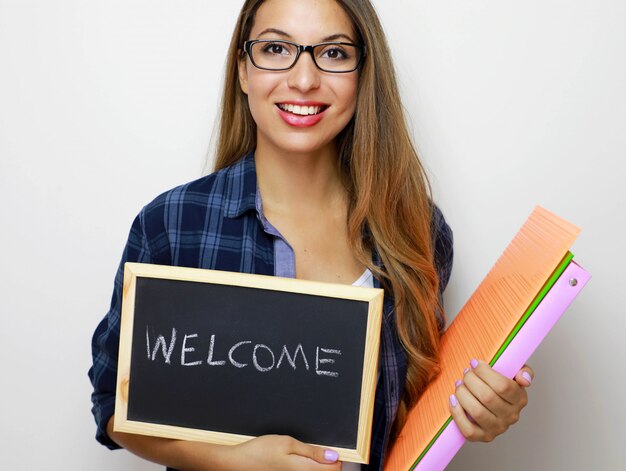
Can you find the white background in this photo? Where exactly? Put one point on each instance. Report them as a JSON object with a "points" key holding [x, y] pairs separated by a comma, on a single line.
{"points": [[103, 105]]}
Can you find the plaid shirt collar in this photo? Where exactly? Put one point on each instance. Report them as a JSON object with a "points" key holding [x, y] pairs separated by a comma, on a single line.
{"points": [[241, 187]]}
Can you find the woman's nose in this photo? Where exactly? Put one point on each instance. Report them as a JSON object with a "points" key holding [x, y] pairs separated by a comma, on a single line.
{"points": [[305, 75]]}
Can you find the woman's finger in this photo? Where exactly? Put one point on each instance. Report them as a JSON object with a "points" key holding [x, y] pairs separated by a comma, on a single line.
{"points": [[485, 394], [525, 376], [470, 430], [316, 453], [504, 387], [478, 413]]}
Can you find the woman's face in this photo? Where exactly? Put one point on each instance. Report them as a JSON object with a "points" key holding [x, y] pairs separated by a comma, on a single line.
{"points": [[271, 92]]}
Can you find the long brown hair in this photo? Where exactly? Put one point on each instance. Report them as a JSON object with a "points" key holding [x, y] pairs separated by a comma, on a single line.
{"points": [[386, 182]]}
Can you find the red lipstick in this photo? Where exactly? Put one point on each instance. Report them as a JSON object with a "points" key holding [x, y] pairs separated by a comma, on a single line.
{"points": [[301, 121]]}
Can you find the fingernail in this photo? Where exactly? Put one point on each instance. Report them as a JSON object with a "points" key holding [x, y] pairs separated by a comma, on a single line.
{"points": [[331, 455], [453, 401], [474, 363], [458, 383], [527, 377], [465, 371]]}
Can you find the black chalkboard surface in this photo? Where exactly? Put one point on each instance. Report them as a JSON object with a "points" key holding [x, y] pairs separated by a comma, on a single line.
{"points": [[223, 357]]}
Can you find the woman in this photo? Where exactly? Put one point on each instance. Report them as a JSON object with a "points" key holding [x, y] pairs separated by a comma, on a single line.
{"points": [[316, 177]]}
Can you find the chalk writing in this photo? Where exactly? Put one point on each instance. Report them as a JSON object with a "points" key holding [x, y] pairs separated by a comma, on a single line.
{"points": [[186, 349], [255, 360], [232, 350], [161, 342], [292, 361], [210, 358], [319, 361], [240, 354]]}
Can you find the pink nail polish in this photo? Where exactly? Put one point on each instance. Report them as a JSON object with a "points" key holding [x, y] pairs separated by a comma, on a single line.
{"points": [[458, 383], [474, 363], [527, 377], [465, 371], [453, 401], [331, 455]]}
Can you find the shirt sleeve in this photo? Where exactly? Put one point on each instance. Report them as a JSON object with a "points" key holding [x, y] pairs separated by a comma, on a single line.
{"points": [[444, 254], [105, 341]]}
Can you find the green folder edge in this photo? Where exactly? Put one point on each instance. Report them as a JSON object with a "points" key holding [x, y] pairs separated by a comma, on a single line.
{"points": [[533, 305]]}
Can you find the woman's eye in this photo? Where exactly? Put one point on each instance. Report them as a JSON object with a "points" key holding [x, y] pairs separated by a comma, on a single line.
{"points": [[335, 54], [277, 49]]}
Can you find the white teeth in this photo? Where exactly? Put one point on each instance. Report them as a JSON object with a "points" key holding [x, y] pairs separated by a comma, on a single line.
{"points": [[300, 110]]}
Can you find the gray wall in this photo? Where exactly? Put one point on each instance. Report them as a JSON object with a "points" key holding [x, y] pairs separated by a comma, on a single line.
{"points": [[105, 104]]}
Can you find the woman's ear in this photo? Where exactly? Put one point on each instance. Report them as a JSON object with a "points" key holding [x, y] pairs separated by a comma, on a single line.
{"points": [[243, 73]]}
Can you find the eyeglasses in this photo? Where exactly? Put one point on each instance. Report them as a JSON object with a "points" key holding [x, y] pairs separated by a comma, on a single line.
{"points": [[334, 57]]}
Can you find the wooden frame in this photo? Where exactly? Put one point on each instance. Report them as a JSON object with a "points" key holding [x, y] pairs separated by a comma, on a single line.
{"points": [[374, 298]]}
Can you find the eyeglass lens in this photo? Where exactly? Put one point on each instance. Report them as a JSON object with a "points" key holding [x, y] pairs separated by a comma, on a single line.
{"points": [[276, 55]]}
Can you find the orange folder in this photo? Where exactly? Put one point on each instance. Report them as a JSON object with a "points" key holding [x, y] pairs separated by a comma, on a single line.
{"points": [[532, 263]]}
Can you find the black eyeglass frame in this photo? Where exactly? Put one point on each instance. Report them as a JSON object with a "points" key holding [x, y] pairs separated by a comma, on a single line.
{"points": [[247, 49]]}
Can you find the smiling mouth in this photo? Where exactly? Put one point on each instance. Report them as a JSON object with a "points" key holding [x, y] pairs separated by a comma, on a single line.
{"points": [[302, 110]]}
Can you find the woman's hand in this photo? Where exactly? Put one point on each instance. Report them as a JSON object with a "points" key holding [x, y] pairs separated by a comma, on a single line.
{"points": [[486, 403], [281, 452], [266, 453]]}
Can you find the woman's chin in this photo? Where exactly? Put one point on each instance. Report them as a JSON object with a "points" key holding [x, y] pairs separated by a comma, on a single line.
{"points": [[301, 145]]}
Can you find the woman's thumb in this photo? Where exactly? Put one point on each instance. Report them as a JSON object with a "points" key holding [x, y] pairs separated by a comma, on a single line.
{"points": [[316, 453]]}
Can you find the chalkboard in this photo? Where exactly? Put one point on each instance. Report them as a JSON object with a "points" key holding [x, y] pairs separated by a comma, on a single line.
{"points": [[222, 357]]}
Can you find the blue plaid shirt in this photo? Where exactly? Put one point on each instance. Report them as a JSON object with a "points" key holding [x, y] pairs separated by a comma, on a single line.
{"points": [[214, 223]]}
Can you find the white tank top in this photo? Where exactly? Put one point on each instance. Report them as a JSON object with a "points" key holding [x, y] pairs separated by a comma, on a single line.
{"points": [[366, 280]]}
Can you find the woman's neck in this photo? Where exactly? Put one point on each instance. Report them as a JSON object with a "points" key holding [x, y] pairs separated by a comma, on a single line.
{"points": [[299, 183]]}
